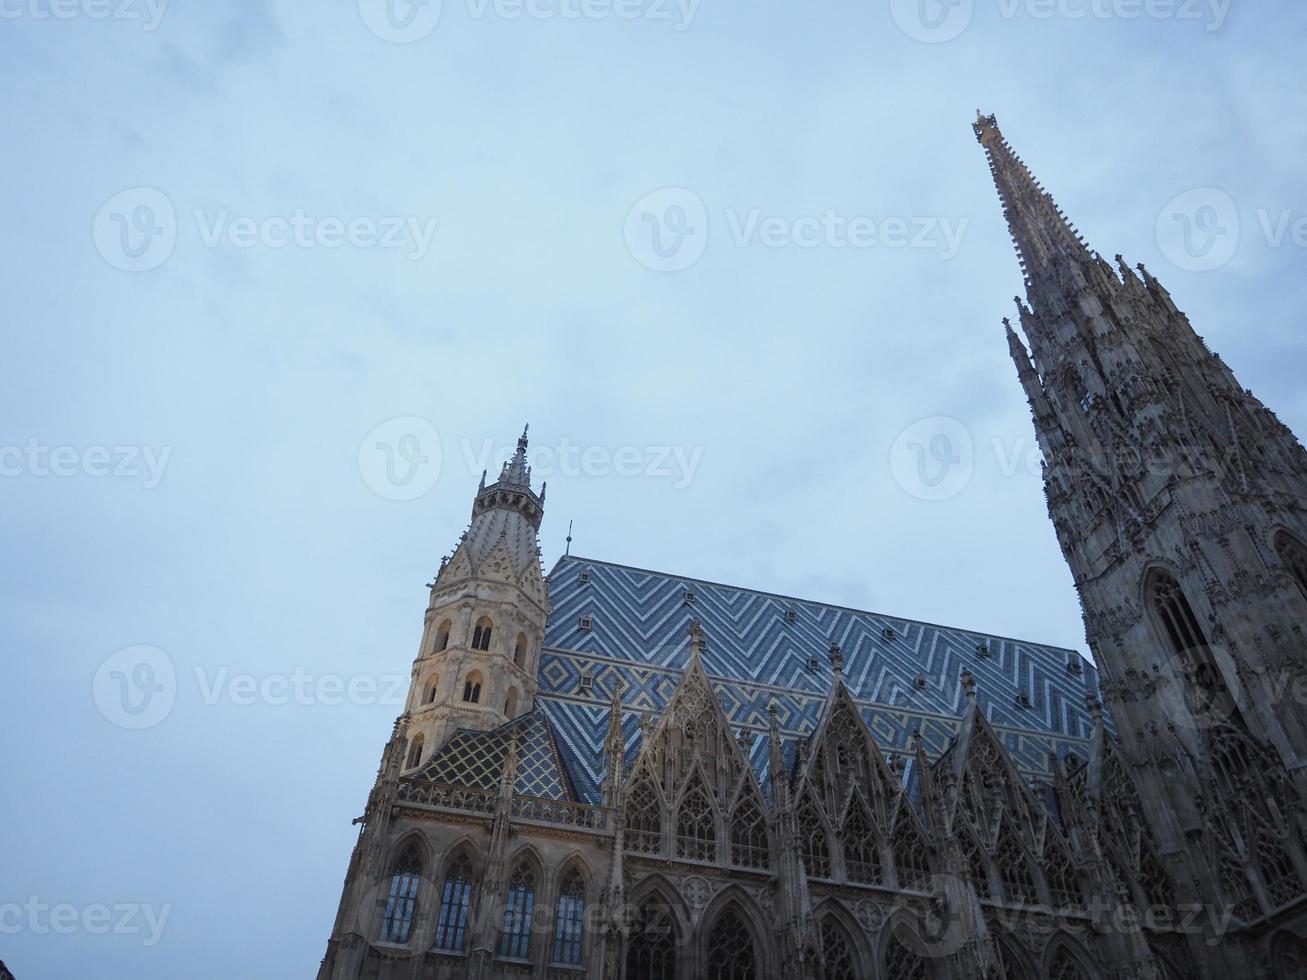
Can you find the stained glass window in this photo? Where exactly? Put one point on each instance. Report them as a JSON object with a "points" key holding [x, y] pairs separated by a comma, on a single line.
{"points": [[402, 899], [519, 906], [731, 954], [455, 900], [569, 923]]}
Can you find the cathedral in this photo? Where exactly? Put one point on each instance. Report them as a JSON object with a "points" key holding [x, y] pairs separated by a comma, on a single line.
{"points": [[610, 772]]}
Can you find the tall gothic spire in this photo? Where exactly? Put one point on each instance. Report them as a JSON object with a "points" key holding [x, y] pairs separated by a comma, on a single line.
{"points": [[1040, 231]]}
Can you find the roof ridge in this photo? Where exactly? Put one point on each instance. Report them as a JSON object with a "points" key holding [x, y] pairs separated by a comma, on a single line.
{"points": [[564, 559]]}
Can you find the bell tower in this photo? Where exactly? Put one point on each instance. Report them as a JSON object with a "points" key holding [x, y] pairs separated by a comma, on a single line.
{"points": [[1180, 504], [485, 621]]}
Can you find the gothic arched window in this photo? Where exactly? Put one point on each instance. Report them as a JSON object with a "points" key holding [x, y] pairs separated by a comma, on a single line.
{"points": [[976, 870], [569, 920], [696, 831], [481, 635], [731, 955], [644, 825], [1064, 967], [749, 847], [430, 696], [813, 841], [1278, 874], [651, 951], [510, 703], [415, 750], [1178, 623], [472, 688], [902, 963], [455, 901], [1294, 556], [1063, 888], [861, 847], [402, 899], [442, 635], [519, 906], [519, 651], [910, 858], [837, 951], [1014, 871]]}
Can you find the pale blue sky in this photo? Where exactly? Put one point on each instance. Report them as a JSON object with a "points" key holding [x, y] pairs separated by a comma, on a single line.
{"points": [[258, 547]]}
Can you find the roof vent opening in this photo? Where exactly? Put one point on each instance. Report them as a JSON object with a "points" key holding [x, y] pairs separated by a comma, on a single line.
{"points": [[791, 616], [689, 596], [982, 649], [921, 682], [889, 633], [587, 681], [587, 622], [584, 577], [1073, 666], [1023, 699], [814, 664]]}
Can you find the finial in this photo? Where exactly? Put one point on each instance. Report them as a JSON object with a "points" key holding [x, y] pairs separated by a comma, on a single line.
{"points": [[568, 550], [1094, 705], [645, 725], [837, 659], [772, 713], [696, 635], [969, 685], [521, 442]]}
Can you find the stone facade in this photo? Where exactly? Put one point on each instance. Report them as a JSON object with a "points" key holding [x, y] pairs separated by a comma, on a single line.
{"points": [[1164, 843]]}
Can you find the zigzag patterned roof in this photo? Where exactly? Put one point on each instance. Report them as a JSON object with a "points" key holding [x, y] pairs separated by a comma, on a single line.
{"points": [[477, 759], [903, 674]]}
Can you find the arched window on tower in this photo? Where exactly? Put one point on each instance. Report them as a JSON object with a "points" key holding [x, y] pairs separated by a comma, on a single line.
{"points": [[472, 688], [519, 651], [749, 848], [402, 899], [415, 751], [696, 832], [430, 696], [1294, 555], [455, 901], [1176, 619], [519, 907], [481, 635], [731, 955], [442, 635], [651, 952], [569, 922], [510, 703]]}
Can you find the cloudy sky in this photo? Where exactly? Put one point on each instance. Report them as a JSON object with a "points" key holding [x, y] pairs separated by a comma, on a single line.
{"points": [[282, 277]]}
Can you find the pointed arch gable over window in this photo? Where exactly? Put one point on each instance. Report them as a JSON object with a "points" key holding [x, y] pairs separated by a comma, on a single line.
{"points": [[839, 958], [911, 855], [402, 895]]}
